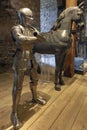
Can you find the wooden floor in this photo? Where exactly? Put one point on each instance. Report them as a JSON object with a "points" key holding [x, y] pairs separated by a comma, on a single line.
{"points": [[65, 110]]}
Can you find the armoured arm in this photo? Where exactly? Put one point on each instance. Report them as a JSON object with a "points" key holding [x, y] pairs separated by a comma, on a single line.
{"points": [[26, 41], [19, 37]]}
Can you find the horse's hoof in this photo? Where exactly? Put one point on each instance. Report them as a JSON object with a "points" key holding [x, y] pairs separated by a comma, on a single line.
{"points": [[39, 101], [15, 121], [57, 88]]}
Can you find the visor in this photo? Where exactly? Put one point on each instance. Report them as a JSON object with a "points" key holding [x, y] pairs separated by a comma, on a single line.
{"points": [[29, 17]]}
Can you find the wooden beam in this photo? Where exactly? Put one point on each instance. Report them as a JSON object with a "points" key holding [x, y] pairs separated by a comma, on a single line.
{"points": [[69, 62]]}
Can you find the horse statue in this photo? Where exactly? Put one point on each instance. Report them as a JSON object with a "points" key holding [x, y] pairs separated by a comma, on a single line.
{"points": [[58, 40]]}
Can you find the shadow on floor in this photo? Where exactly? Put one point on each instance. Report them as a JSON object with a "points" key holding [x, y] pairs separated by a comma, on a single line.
{"points": [[27, 109]]}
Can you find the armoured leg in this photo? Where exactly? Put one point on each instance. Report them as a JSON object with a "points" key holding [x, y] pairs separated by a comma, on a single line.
{"points": [[16, 94], [34, 76], [35, 98]]}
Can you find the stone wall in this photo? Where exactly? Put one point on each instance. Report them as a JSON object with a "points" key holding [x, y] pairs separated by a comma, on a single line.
{"points": [[6, 21]]}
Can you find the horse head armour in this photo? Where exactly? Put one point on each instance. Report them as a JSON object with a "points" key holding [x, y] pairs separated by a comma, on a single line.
{"points": [[73, 13]]}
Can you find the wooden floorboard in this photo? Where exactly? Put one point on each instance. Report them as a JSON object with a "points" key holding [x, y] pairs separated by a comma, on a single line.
{"points": [[54, 110], [65, 120], [80, 122], [65, 110]]}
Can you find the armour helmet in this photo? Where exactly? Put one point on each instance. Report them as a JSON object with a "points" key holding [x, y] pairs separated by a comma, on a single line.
{"points": [[25, 13]]}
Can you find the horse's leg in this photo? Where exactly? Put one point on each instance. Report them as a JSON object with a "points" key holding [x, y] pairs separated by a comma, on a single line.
{"points": [[61, 81], [34, 77], [57, 69], [16, 94]]}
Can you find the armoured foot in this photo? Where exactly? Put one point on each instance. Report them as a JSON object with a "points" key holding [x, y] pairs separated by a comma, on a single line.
{"points": [[61, 82], [39, 101], [15, 121], [57, 87]]}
